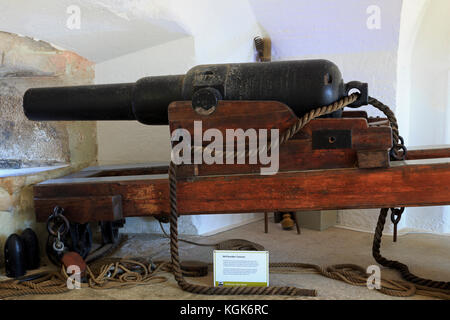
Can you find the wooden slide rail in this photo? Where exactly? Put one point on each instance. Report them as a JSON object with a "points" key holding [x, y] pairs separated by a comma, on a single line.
{"points": [[88, 197]]}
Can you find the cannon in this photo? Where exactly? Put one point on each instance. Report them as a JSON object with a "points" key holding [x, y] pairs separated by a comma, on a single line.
{"points": [[329, 158], [302, 85]]}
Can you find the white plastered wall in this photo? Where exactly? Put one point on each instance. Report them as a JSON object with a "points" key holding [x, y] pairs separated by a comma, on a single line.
{"points": [[422, 103], [424, 94]]}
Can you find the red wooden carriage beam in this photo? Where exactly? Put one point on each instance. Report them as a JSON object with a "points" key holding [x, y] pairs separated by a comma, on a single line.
{"points": [[404, 184]]}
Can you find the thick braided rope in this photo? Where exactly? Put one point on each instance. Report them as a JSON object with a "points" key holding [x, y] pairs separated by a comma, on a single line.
{"points": [[402, 268], [348, 273], [315, 113], [423, 284], [392, 120], [230, 244], [52, 283], [123, 276], [108, 274], [390, 115], [351, 274]]}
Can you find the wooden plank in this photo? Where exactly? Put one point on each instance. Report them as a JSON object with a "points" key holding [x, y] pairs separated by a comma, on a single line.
{"points": [[233, 114], [80, 174], [373, 159], [354, 114], [431, 152], [131, 172], [141, 195], [122, 170], [127, 166], [403, 184], [82, 209], [68, 180], [295, 154]]}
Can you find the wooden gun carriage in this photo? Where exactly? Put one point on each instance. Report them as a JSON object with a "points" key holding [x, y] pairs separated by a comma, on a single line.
{"points": [[346, 161], [330, 164]]}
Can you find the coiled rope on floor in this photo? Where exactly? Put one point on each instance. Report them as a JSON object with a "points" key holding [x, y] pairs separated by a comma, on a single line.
{"points": [[109, 273], [51, 283], [349, 273], [113, 273]]}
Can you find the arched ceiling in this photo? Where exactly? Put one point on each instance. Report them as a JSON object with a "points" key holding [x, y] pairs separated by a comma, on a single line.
{"points": [[111, 28], [108, 28]]}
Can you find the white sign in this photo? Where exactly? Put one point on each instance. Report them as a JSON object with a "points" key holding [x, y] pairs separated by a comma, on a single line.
{"points": [[241, 268]]}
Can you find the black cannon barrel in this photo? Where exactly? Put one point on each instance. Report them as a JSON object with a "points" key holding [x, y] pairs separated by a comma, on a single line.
{"points": [[301, 84], [96, 102]]}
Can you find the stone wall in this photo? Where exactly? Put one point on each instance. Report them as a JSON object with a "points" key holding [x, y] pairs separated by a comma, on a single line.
{"points": [[26, 63]]}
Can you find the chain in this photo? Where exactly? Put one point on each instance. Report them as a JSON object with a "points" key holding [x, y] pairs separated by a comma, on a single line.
{"points": [[396, 215], [57, 223]]}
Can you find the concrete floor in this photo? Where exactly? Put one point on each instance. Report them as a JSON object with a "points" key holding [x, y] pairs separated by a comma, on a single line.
{"points": [[426, 255]]}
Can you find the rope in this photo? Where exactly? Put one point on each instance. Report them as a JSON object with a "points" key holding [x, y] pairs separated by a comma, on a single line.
{"points": [[111, 273], [122, 274], [397, 139], [350, 274], [51, 283], [231, 244], [115, 273], [421, 283]]}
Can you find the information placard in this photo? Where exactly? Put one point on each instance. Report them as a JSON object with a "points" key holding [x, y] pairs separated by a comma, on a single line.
{"points": [[241, 268]]}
